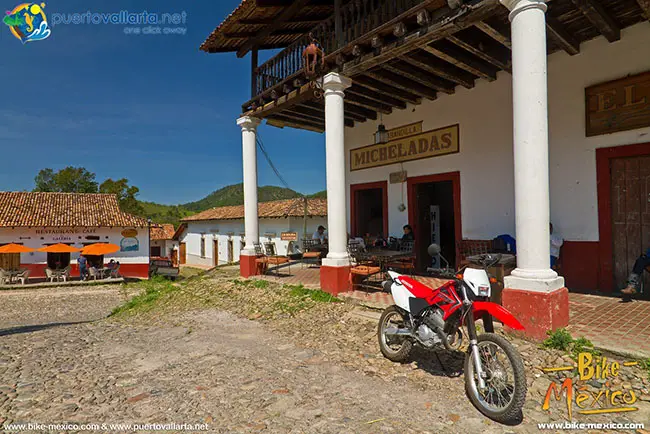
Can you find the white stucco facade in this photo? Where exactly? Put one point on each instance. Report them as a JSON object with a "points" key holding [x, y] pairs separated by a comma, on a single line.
{"points": [[485, 160], [232, 231], [166, 247]]}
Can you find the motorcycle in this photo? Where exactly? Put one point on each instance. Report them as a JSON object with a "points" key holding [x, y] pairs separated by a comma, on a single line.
{"points": [[495, 380]]}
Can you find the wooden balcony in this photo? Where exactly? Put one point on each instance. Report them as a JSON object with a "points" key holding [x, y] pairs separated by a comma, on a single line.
{"points": [[397, 52]]}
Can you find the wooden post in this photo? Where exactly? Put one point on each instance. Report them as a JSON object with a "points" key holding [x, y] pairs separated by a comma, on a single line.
{"points": [[338, 24], [254, 72]]}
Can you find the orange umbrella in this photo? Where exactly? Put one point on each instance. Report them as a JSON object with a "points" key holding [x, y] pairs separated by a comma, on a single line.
{"points": [[15, 248], [58, 248], [99, 249]]}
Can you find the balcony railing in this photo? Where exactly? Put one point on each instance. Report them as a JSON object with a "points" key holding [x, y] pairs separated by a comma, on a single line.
{"points": [[358, 19]]}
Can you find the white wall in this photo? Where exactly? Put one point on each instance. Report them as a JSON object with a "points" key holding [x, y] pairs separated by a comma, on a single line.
{"points": [[485, 160], [219, 229], [35, 238], [166, 246]]}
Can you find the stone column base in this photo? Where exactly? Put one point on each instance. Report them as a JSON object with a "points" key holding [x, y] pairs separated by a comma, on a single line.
{"points": [[247, 266], [538, 311], [335, 280]]}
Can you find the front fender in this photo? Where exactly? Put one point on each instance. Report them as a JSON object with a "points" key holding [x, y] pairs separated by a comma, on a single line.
{"points": [[498, 312]]}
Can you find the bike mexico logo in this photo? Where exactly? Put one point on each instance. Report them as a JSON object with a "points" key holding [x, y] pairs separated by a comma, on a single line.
{"points": [[27, 22], [601, 397]]}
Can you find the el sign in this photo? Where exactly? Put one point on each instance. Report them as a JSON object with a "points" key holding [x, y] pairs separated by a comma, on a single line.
{"points": [[428, 144]]}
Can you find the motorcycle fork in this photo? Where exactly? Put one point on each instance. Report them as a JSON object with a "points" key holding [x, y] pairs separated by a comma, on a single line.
{"points": [[473, 348]]}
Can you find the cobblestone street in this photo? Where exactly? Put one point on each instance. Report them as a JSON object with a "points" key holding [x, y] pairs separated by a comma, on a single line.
{"points": [[210, 366]]}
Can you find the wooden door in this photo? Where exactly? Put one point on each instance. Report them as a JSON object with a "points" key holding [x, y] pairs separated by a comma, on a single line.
{"points": [[630, 187], [230, 252], [182, 253], [215, 252], [10, 261]]}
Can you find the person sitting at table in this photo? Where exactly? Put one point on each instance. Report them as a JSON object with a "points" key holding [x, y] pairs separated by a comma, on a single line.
{"points": [[111, 264], [408, 233], [320, 235]]}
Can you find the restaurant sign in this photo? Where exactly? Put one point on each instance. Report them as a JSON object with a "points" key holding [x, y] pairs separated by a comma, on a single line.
{"points": [[434, 143], [289, 236], [618, 105]]}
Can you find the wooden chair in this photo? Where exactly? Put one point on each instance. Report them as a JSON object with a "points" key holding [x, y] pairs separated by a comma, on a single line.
{"points": [[472, 247], [4, 277], [361, 269], [272, 258], [261, 260], [311, 251]]}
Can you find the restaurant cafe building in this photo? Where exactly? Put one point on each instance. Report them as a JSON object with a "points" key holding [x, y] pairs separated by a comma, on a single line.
{"points": [[36, 220], [468, 120]]}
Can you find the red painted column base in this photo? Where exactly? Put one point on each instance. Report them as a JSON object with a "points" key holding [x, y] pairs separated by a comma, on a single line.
{"points": [[537, 311], [247, 266], [334, 280]]}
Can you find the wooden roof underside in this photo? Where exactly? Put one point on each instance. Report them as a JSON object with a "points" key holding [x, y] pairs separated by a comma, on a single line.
{"points": [[267, 24], [438, 58]]}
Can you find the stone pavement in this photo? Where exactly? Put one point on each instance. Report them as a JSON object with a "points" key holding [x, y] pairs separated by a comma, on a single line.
{"points": [[317, 372]]}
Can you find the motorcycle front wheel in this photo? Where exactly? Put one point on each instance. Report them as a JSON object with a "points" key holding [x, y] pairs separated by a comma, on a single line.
{"points": [[393, 347], [505, 392]]}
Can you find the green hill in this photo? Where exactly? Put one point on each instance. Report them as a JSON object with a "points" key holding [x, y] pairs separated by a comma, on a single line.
{"points": [[234, 195], [226, 196]]}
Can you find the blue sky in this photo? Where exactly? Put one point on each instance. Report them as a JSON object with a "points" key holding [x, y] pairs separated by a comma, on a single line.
{"points": [[151, 108]]}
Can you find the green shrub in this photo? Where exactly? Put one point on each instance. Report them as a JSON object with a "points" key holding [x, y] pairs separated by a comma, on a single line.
{"points": [[559, 339]]}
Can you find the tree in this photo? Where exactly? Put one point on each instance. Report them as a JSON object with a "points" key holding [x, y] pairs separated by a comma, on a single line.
{"points": [[68, 180], [126, 194]]}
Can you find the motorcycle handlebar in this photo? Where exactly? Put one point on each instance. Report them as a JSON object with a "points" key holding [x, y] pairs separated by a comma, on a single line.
{"points": [[442, 272]]}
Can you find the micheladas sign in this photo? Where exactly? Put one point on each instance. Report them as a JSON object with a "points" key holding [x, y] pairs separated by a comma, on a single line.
{"points": [[406, 144]]}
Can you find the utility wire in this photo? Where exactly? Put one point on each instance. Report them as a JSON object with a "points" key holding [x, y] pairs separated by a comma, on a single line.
{"points": [[268, 159]]}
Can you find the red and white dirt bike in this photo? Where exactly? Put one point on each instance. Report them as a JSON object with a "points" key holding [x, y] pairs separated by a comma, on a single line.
{"points": [[495, 379]]}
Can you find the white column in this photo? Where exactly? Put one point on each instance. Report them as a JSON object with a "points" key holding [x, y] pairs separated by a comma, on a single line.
{"points": [[530, 111], [334, 85], [249, 151]]}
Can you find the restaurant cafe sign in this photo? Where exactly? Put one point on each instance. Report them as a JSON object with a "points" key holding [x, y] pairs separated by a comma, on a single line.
{"points": [[407, 143]]}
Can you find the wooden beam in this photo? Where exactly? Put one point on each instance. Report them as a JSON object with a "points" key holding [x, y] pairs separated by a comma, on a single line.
{"points": [[489, 54], [494, 34], [298, 96], [286, 3], [314, 115], [376, 96], [440, 68], [595, 13], [561, 36], [286, 14], [445, 22], [461, 59], [380, 87], [281, 122], [254, 65], [645, 7], [366, 113], [367, 103], [301, 119], [320, 106], [419, 76], [403, 83], [283, 32], [298, 20]]}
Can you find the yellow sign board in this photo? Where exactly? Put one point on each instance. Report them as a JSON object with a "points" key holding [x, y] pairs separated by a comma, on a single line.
{"points": [[434, 143], [405, 131]]}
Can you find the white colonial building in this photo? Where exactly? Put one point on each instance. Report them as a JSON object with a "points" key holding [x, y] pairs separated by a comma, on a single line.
{"points": [[216, 236]]}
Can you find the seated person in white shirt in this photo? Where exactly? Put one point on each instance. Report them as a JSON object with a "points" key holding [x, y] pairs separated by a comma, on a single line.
{"points": [[556, 243], [320, 235]]}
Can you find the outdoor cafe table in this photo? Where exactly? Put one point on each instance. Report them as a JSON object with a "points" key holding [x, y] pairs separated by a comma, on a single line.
{"points": [[383, 256]]}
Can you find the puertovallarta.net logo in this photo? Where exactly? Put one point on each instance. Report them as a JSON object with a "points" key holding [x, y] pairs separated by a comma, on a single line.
{"points": [[28, 22]]}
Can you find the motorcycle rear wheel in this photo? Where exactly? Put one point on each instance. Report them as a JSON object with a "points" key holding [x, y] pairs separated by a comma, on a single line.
{"points": [[506, 391], [400, 348]]}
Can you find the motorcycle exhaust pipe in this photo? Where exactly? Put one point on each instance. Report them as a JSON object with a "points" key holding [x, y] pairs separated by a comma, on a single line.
{"points": [[395, 331]]}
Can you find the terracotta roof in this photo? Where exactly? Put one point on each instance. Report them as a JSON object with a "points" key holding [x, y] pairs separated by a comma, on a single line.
{"points": [[162, 232], [275, 209], [23, 209]]}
